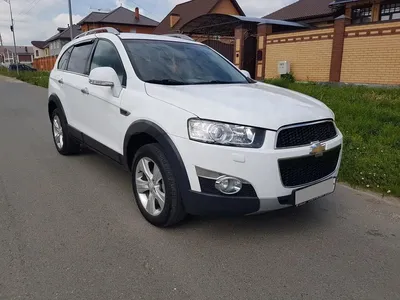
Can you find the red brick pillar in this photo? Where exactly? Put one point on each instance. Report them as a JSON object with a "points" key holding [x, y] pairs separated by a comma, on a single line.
{"points": [[239, 46], [337, 47], [263, 30]]}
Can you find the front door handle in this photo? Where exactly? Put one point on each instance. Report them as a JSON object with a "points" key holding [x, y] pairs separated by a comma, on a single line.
{"points": [[85, 91], [61, 81]]}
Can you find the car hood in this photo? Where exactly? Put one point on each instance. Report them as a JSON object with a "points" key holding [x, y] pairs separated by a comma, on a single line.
{"points": [[260, 105]]}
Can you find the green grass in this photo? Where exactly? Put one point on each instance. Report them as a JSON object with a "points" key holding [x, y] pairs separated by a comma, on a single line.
{"points": [[35, 78], [369, 119]]}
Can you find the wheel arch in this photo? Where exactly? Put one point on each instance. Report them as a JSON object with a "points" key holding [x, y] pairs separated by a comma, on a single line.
{"points": [[55, 102], [143, 132]]}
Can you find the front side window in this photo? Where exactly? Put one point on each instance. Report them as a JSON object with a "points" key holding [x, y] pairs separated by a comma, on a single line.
{"points": [[79, 58], [106, 55], [390, 11], [177, 63], [361, 15], [63, 62]]}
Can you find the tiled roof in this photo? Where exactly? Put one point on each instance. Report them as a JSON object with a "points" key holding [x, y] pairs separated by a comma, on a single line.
{"points": [[187, 11], [303, 9], [120, 15], [39, 44], [65, 35], [93, 17]]}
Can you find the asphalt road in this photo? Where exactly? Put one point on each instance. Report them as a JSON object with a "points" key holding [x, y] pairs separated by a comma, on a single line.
{"points": [[70, 230]]}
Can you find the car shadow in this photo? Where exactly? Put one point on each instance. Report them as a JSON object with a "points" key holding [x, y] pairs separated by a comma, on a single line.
{"points": [[291, 219], [287, 220]]}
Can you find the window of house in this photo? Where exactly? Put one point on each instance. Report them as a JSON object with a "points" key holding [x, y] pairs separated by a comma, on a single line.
{"points": [[37, 53], [106, 55], [361, 15], [390, 11], [79, 58]]}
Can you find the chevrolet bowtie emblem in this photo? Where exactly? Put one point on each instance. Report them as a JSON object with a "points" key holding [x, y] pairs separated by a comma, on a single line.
{"points": [[317, 148]]}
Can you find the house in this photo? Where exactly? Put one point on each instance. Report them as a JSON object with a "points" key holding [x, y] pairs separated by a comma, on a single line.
{"points": [[366, 11], [349, 41], [53, 45], [320, 13], [39, 49], [187, 11], [57, 41], [121, 19], [317, 13], [24, 54]]}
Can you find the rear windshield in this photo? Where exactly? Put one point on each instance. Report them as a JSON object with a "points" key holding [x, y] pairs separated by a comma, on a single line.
{"points": [[176, 63]]}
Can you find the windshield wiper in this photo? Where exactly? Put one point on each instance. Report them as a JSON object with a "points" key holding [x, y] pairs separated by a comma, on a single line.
{"points": [[218, 82], [166, 82]]}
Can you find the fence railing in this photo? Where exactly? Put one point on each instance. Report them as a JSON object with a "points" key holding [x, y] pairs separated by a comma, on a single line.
{"points": [[44, 63]]}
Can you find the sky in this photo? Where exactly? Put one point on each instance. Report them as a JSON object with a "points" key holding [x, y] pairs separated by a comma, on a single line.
{"points": [[39, 19]]}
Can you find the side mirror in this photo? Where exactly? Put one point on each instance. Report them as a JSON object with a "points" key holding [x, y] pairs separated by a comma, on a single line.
{"points": [[246, 73], [106, 76]]}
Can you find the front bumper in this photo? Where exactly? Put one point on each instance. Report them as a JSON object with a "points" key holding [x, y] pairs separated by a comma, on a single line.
{"points": [[259, 167]]}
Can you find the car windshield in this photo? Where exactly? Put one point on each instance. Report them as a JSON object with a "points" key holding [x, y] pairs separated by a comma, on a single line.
{"points": [[176, 63]]}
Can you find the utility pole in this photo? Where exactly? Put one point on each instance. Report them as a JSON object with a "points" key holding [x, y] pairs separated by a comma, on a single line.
{"points": [[70, 20], [13, 31], [1, 41]]}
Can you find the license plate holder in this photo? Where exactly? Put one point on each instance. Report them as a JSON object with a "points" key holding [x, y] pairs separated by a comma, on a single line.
{"points": [[314, 191]]}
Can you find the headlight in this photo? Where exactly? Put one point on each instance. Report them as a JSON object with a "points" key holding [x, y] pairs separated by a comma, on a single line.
{"points": [[225, 134]]}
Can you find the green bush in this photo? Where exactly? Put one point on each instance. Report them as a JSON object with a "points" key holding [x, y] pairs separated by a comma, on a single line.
{"points": [[35, 78], [279, 82], [288, 77]]}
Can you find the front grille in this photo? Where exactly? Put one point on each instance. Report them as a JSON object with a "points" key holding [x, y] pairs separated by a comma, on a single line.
{"points": [[306, 169], [305, 134]]}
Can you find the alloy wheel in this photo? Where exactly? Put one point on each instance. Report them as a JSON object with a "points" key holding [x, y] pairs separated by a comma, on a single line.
{"points": [[150, 186], [58, 132]]}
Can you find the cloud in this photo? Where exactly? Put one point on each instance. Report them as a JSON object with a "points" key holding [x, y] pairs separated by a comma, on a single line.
{"points": [[62, 20], [33, 21]]}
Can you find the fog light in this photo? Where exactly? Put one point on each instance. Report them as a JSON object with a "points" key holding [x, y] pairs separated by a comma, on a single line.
{"points": [[228, 185]]}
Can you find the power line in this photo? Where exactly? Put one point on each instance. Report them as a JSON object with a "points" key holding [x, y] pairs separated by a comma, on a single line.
{"points": [[28, 5], [150, 12], [34, 2]]}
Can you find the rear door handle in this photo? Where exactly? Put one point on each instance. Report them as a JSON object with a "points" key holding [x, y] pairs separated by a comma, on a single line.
{"points": [[85, 91], [61, 81]]}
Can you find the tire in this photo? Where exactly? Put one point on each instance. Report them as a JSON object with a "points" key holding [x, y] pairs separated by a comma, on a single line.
{"points": [[172, 211], [64, 143]]}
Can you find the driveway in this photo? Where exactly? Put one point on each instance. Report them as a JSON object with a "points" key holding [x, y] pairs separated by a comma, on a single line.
{"points": [[70, 230]]}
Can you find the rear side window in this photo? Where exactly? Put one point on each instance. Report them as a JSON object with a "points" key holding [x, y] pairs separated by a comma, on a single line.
{"points": [[106, 55], [63, 62], [79, 58]]}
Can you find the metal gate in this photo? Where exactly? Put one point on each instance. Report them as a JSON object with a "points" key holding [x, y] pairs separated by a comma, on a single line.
{"points": [[223, 48], [249, 58]]}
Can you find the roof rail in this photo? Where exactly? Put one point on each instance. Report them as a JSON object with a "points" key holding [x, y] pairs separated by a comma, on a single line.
{"points": [[98, 30], [179, 36]]}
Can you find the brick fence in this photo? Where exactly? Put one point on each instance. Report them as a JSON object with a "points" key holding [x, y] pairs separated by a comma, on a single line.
{"points": [[366, 53], [44, 63]]}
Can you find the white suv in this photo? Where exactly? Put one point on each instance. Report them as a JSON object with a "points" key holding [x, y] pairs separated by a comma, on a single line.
{"points": [[198, 135]]}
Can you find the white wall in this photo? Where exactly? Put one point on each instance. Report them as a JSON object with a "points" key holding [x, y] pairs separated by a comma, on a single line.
{"points": [[38, 51], [56, 46]]}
